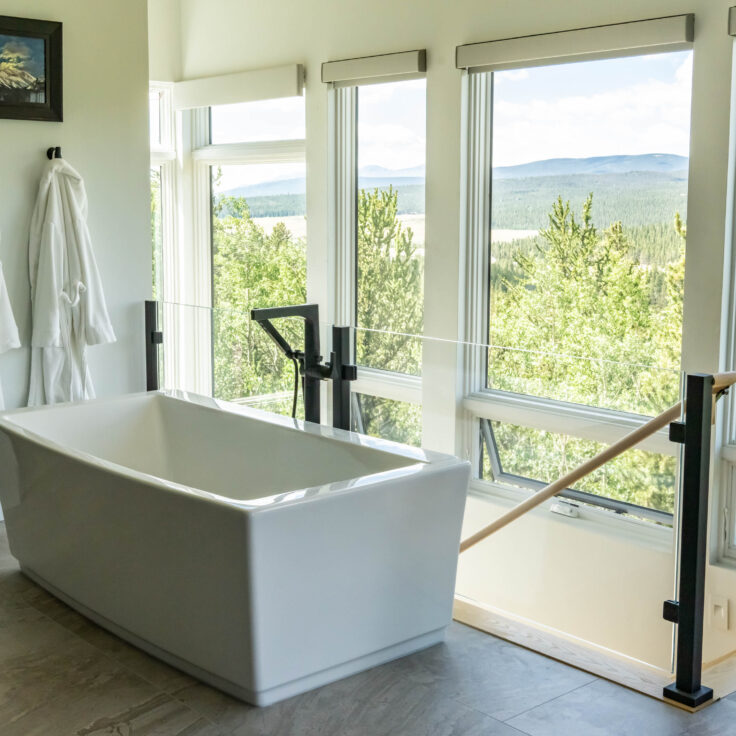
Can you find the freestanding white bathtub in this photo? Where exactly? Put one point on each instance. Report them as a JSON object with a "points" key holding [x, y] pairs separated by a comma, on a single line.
{"points": [[263, 555]]}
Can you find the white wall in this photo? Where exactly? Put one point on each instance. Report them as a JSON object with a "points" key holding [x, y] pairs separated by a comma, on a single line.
{"points": [[105, 137], [584, 579], [164, 58], [561, 574]]}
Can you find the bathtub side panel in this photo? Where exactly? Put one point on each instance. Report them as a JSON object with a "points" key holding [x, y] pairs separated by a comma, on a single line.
{"points": [[342, 577], [170, 568]]}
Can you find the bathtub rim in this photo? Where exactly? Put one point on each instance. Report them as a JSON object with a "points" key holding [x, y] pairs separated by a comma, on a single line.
{"points": [[426, 462]]}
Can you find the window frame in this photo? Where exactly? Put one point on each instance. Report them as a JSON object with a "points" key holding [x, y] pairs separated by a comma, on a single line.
{"points": [[163, 156], [343, 190], [165, 148], [481, 403], [723, 518]]}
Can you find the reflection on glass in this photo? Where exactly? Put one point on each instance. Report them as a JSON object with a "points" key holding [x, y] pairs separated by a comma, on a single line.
{"points": [[397, 421], [589, 200], [390, 237], [278, 403], [258, 260], [264, 120]]}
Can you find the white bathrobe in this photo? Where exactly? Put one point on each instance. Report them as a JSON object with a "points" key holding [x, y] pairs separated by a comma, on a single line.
{"points": [[68, 304], [8, 329]]}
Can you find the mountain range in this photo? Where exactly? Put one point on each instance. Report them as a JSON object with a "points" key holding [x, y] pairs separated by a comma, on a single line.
{"points": [[14, 78], [372, 177]]}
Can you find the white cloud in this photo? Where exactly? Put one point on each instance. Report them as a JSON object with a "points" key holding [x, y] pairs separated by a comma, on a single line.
{"points": [[512, 75], [390, 145], [652, 116]]}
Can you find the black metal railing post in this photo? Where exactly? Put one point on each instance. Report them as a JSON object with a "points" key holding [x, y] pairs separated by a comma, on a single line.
{"points": [[342, 373], [687, 612], [154, 338]]}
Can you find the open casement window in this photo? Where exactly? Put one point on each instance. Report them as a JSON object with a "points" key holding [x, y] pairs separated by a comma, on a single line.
{"points": [[577, 162], [378, 108]]}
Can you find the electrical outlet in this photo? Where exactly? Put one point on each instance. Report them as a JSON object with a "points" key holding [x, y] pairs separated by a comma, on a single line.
{"points": [[719, 612]]}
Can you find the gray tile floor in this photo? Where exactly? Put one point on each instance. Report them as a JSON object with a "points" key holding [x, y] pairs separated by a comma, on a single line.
{"points": [[62, 675]]}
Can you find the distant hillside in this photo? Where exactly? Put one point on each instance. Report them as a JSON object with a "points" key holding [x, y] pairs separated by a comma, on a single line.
{"points": [[636, 198], [666, 163], [638, 190], [299, 186]]}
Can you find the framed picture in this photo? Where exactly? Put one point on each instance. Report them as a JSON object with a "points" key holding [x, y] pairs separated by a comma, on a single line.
{"points": [[30, 69]]}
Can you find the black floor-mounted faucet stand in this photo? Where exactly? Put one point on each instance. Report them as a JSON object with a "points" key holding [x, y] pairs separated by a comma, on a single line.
{"points": [[339, 370]]}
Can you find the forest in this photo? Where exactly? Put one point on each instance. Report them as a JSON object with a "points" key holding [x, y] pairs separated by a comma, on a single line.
{"points": [[589, 310]]}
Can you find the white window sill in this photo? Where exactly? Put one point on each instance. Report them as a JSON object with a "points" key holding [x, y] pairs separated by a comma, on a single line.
{"points": [[589, 423]]}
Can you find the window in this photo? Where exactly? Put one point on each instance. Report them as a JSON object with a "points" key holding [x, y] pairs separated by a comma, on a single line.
{"points": [[264, 120], [163, 154], [390, 225], [584, 300], [259, 259], [161, 117], [637, 482], [255, 174], [398, 421], [380, 153]]}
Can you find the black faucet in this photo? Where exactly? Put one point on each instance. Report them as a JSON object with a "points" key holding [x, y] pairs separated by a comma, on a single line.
{"points": [[313, 371]]}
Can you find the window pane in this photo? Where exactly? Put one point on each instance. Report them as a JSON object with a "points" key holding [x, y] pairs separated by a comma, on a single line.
{"points": [[589, 202], [156, 233], [637, 477], [390, 238], [258, 260], [264, 120], [397, 421]]}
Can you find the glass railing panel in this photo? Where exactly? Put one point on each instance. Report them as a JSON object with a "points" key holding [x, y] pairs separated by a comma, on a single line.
{"points": [[552, 570]]}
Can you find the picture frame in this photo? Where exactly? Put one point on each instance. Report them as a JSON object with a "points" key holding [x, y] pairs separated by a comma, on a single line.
{"points": [[31, 75]]}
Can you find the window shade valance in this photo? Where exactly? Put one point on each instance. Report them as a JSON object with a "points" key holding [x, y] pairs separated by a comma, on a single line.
{"points": [[732, 21], [375, 69], [621, 39], [259, 84]]}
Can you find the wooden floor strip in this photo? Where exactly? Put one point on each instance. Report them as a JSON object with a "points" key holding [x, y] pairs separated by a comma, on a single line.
{"points": [[605, 663]]}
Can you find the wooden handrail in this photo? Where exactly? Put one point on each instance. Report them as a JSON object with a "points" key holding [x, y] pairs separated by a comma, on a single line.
{"points": [[721, 381]]}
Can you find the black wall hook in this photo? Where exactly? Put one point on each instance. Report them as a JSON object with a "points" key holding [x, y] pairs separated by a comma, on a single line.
{"points": [[54, 152]]}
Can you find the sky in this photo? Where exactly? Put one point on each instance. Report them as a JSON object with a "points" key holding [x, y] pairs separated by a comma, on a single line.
{"points": [[392, 124], [265, 120], [631, 105], [608, 107]]}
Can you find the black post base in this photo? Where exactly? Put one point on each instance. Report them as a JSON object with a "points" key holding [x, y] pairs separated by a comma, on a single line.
{"points": [[692, 700]]}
